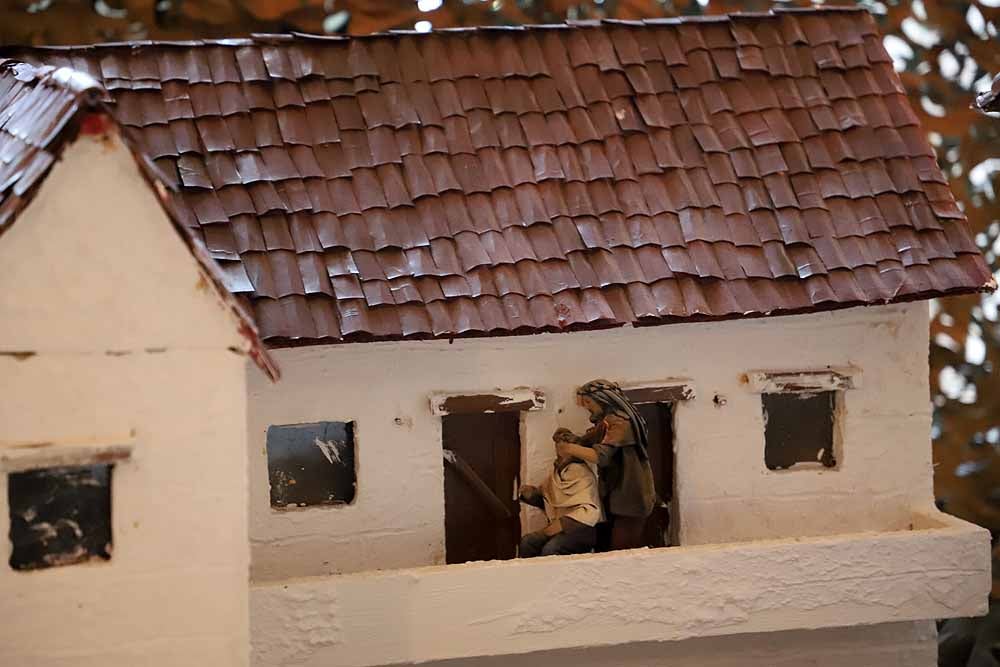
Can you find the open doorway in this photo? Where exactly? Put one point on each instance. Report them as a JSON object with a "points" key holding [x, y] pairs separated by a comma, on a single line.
{"points": [[660, 423], [482, 463]]}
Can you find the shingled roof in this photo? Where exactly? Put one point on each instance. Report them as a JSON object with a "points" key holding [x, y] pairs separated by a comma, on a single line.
{"points": [[42, 111], [518, 180], [36, 105]]}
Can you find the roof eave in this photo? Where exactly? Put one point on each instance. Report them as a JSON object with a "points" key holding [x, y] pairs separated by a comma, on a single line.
{"points": [[283, 342]]}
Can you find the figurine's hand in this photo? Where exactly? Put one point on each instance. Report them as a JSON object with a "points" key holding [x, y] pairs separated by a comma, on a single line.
{"points": [[564, 449]]}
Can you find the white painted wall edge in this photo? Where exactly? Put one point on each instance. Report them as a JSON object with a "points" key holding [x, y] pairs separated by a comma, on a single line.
{"points": [[939, 569]]}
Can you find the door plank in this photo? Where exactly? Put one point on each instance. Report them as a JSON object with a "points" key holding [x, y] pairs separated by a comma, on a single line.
{"points": [[490, 445], [479, 486]]}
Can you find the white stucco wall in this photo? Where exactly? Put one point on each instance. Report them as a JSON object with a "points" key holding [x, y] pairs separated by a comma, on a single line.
{"points": [[125, 344], [940, 569], [887, 645], [725, 492]]}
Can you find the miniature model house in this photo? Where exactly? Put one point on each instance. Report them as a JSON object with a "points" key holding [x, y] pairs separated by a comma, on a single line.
{"points": [[438, 238]]}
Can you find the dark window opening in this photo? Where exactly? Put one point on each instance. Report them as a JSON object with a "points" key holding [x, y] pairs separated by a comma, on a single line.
{"points": [[798, 428], [311, 464], [659, 424], [59, 516], [482, 459]]}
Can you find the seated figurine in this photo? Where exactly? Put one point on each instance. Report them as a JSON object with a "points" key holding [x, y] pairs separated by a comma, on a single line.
{"points": [[572, 504]]}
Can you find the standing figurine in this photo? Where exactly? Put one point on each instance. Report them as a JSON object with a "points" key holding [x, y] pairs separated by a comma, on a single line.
{"points": [[617, 444], [572, 503]]}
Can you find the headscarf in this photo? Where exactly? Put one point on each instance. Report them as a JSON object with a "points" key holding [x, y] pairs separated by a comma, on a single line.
{"points": [[613, 401]]}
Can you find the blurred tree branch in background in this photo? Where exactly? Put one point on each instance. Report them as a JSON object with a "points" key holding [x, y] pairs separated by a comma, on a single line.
{"points": [[943, 50], [85, 21]]}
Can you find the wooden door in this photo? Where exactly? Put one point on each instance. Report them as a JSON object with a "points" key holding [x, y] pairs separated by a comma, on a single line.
{"points": [[659, 422], [482, 473]]}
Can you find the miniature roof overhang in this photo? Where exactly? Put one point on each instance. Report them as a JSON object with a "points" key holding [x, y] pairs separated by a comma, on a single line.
{"points": [[545, 178], [43, 109]]}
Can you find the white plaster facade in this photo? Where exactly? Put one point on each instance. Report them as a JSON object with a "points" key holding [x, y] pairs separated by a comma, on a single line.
{"points": [[939, 569], [724, 491], [887, 645], [111, 336], [762, 551]]}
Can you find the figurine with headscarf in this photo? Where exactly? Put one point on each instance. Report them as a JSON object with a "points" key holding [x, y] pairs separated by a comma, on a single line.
{"points": [[617, 444]]}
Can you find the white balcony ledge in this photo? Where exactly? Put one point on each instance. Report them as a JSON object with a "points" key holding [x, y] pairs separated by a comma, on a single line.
{"points": [[939, 569]]}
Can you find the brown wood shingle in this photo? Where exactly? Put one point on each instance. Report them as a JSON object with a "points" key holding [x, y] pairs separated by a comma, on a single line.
{"points": [[540, 178]]}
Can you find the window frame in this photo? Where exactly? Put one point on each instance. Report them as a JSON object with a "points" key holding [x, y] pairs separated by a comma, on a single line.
{"points": [[352, 428], [837, 381], [27, 457], [829, 453]]}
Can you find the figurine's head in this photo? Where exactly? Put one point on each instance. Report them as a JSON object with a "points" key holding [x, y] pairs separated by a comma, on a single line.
{"points": [[563, 435], [597, 396], [587, 402], [561, 459]]}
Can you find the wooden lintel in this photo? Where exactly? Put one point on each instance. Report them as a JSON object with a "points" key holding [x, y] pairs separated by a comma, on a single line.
{"points": [[665, 393], [785, 382], [517, 400], [51, 455]]}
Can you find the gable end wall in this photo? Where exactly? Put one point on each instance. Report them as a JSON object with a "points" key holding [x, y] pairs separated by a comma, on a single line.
{"points": [[109, 337]]}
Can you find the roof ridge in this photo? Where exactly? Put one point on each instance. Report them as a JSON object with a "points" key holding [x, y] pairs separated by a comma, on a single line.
{"points": [[81, 84]]}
